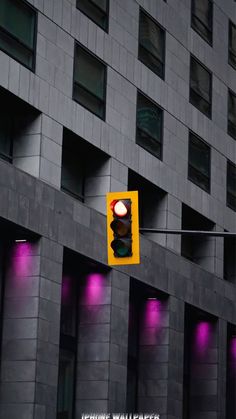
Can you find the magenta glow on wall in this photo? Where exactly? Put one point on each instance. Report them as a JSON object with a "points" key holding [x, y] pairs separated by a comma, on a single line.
{"points": [[22, 259], [95, 288], [202, 337], [233, 352], [152, 322], [152, 313]]}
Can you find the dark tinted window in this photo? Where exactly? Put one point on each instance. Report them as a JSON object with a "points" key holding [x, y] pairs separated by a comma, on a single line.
{"points": [[231, 185], [17, 31], [149, 126], [200, 87], [151, 44], [72, 172], [232, 114], [202, 11], [73, 169], [97, 10], [199, 162], [6, 137], [89, 82], [232, 44]]}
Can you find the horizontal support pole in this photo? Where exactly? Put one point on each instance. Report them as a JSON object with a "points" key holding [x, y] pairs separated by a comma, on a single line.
{"points": [[188, 232]]}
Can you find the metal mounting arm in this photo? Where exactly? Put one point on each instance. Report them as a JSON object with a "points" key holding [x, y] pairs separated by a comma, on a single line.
{"points": [[188, 232]]}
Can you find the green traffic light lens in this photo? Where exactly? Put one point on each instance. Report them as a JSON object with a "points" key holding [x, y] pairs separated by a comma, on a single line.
{"points": [[122, 248], [122, 251]]}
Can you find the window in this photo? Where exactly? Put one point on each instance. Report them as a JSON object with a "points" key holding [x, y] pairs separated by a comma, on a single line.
{"points": [[199, 162], [72, 171], [151, 44], [202, 18], [198, 249], [232, 114], [96, 10], [89, 82], [200, 87], [231, 185], [149, 126], [229, 259], [77, 176], [5, 137], [232, 45], [18, 31]]}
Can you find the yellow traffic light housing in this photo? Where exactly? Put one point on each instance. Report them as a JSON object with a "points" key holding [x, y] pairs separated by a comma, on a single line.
{"points": [[123, 228]]}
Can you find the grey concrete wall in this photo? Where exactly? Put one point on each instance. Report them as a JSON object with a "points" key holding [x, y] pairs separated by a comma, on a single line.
{"points": [[35, 202], [31, 324]]}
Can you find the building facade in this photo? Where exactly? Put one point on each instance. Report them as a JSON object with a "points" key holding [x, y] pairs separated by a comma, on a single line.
{"points": [[116, 95]]}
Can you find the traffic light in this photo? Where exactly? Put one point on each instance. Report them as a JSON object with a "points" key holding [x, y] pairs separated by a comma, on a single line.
{"points": [[122, 228]]}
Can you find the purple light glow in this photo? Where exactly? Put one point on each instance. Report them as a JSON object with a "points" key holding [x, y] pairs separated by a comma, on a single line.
{"points": [[152, 313], [233, 349], [66, 289], [202, 337], [94, 291], [152, 322], [22, 259]]}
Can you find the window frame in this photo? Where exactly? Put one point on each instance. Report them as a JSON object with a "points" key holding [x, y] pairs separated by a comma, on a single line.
{"points": [[230, 92], [192, 57], [229, 49], [68, 191], [18, 41], [162, 126], [104, 101], [106, 29], [8, 158], [190, 166], [193, 15], [162, 76], [229, 163]]}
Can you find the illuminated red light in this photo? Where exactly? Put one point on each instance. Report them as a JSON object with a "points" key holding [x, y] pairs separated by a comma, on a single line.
{"points": [[119, 208]]}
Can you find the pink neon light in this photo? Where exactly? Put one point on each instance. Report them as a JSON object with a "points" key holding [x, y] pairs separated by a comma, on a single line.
{"points": [[233, 349], [202, 337], [152, 313], [152, 322], [95, 289], [22, 259]]}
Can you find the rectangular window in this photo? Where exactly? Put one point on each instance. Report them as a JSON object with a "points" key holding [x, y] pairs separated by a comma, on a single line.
{"points": [[5, 137], [72, 174], [200, 87], [232, 114], [18, 31], [202, 18], [232, 45], [199, 162], [89, 82], [149, 126], [96, 10], [151, 44], [231, 185]]}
